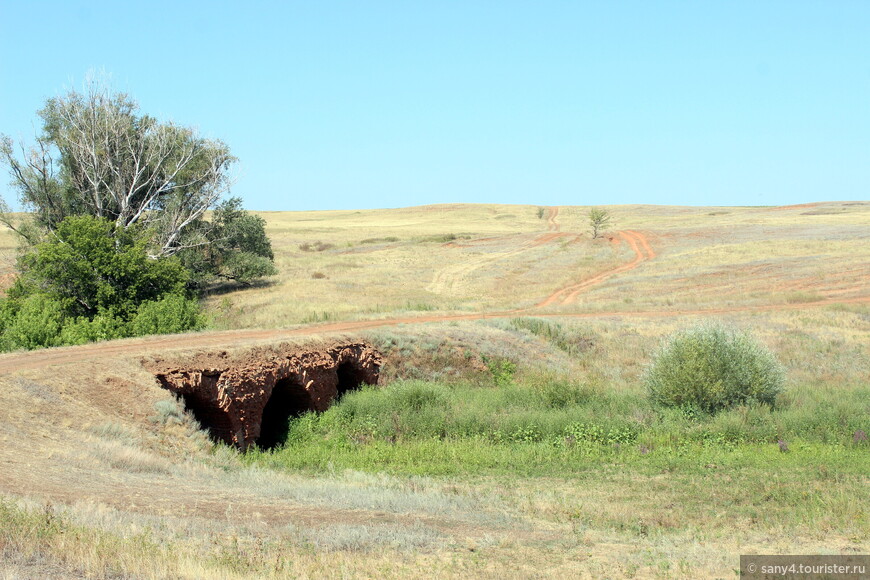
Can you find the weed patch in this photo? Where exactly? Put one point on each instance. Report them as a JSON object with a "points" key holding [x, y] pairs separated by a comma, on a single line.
{"points": [[441, 238], [317, 246], [385, 240], [803, 297], [543, 426], [571, 342]]}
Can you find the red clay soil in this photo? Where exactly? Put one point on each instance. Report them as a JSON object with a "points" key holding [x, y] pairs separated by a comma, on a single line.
{"points": [[250, 399], [13, 362], [642, 252]]}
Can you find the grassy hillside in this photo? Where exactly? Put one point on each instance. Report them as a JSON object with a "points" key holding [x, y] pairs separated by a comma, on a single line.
{"points": [[520, 445], [465, 258]]}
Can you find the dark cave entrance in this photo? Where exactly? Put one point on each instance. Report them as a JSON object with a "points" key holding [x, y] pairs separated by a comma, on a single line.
{"points": [[289, 399], [210, 417], [350, 377]]}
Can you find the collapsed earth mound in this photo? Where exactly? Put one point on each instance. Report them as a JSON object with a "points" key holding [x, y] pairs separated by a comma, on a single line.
{"points": [[250, 399]]}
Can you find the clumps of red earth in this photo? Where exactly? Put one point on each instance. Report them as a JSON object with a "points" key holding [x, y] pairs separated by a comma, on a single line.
{"points": [[250, 399]]}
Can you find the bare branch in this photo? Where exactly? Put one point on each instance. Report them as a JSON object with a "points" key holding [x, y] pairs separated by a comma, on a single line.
{"points": [[131, 168]]}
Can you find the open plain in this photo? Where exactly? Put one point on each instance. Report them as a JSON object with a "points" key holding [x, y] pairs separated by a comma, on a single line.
{"points": [[517, 343]]}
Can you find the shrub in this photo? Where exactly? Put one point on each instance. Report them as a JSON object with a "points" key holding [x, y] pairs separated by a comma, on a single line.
{"points": [[711, 368], [385, 240], [91, 267], [93, 281], [36, 323], [172, 314], [501, 369], [101, 327]]}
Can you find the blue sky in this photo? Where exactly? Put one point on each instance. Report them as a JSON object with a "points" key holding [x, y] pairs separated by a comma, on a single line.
{"points": [[351, 105]]}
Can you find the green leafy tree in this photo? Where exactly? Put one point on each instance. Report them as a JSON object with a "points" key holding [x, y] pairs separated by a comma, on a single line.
{"points": [[91, 267], [598, 220], [91, 281], [232, 247], [97, 155]]}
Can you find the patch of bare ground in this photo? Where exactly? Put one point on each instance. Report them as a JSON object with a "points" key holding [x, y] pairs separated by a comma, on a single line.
{"points": [[104, 436], [642, 252], [552, 214]]}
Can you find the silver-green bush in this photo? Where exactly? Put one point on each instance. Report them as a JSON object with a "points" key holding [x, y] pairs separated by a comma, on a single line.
{"points": [[711, 367]]}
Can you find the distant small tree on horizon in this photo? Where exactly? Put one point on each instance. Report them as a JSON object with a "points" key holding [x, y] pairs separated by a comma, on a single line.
{"points": [[598, 220]]}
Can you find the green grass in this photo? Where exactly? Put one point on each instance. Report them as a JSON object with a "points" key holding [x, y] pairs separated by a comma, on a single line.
{"points": [[553, 427], [610, 462], [570, 341]]}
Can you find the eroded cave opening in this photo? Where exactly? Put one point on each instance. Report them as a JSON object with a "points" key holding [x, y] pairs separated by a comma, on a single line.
{"points": [[210, 417], [250, 398], [350, 377], [289, 399]]}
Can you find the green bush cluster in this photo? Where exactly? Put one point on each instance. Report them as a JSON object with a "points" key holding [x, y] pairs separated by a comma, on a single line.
{"points": [[712, 368], [90, 282], [115, 236], [38, 321]]}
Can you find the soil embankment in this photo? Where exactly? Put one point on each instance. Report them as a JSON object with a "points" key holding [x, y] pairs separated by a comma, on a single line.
{"points": [[251, 399]]}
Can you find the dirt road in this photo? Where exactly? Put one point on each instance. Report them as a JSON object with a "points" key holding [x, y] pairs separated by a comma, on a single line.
{"points": [[452, 277], [637, 241], [552, 214], [642, 252], [15, 362]]}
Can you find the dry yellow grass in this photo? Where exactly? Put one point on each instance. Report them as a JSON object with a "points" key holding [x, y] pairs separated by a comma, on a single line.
{"points": [[83, 439], [398, 262]]}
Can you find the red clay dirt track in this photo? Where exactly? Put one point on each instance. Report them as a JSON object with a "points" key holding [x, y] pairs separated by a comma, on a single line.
{"points": [[637, 241]]}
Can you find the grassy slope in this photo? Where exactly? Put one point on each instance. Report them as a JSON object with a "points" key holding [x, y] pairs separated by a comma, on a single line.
{"points": [[706, 257], [119, 483]]}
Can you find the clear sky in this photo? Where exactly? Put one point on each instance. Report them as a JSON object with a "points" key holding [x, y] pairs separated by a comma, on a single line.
{"points": [[364, 104]]}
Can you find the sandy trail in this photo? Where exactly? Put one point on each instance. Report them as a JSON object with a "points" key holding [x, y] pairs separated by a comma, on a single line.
{"points": [[451, 278], [637, 241], [552, 214], [568, 295]]}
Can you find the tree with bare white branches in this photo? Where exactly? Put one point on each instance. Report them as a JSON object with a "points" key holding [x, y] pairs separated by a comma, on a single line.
{"points": [[116, 238], [97, 155]]}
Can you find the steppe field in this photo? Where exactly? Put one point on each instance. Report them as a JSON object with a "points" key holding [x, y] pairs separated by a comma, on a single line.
{"points": [[511, 435]]}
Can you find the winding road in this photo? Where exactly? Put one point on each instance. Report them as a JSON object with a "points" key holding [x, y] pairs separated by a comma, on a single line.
{"points": [[637, 241], [642, 252], [450, 278]]}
